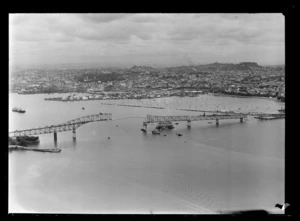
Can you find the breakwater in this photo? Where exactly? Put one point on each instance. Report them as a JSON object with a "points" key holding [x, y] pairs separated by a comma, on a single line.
{"points": [[128, 105]]}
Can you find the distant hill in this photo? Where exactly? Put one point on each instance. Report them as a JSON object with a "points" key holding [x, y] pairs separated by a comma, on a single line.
{"points": [[142, 68], [229, 66]]}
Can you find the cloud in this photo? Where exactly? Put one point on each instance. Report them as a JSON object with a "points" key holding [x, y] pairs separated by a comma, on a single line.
{"points": [[188, 36], [102, 18]]}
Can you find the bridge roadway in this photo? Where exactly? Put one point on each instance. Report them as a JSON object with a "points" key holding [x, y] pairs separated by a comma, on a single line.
{"points": [[67, 126], [215, 116], [154, 119]]}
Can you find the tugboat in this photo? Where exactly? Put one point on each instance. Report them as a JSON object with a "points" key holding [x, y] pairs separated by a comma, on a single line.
{"points": [[19, 110]]}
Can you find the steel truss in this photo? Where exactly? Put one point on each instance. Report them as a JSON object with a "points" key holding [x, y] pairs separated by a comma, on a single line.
{"points": [[154, 119], [67, 126]]}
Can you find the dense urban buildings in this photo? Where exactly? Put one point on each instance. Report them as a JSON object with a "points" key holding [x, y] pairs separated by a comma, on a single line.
{"points": [[245, 79]]}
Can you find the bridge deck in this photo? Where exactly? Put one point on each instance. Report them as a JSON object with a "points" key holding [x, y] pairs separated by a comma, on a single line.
{"points": [[69, 125], [154, 119]]}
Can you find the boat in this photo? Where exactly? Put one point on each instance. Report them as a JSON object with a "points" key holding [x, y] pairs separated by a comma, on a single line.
{"points": [[179, 135], [18, 147], [165, 125], [45, 150], [143, 130], [25, 140], [269, 117], [19, 110], [83, 108], [155, 132]]}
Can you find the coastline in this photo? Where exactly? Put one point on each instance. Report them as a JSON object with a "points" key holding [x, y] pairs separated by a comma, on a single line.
{"points": [[101, 99], [241, 96]]}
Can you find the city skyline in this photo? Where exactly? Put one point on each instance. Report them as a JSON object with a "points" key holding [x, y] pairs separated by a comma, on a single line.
{"points": [[145, 39]]}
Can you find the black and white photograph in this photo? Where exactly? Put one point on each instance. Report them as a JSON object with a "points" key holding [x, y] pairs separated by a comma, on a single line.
{"points": [[146, 113]]}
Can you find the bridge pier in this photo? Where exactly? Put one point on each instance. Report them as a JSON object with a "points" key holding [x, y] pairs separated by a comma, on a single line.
{"points": [[55, 136], [74, 134], [189, 124], [241, 120], [217, 121], [145, 126]]}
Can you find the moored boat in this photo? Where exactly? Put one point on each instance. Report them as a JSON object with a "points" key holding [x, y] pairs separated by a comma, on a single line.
{"points": [[24, 140], [19, 110], [165, 125], [155, 132]]}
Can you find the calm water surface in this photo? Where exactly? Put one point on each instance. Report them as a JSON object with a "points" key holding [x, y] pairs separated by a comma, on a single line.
{"points": [[208, 170]]}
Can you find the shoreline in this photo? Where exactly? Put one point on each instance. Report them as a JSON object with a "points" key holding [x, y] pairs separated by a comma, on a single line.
{"points": [[210, 93], [241, 96]]}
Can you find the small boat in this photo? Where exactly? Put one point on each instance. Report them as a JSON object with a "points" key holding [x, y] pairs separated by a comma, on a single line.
{"points": [[45, 150], [83, 108], [179, 135], [19, 110], [155, 132], [143, 130]]}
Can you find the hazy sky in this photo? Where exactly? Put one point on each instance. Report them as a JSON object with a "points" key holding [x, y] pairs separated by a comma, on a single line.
{"points": [[145, 39]]}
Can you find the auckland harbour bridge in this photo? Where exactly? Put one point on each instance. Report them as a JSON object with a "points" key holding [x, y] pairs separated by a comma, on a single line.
{"points": [[72, 125]]}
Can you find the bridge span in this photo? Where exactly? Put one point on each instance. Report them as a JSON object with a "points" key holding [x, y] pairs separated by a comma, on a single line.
{"points": [[215, 116], [67, 126]]}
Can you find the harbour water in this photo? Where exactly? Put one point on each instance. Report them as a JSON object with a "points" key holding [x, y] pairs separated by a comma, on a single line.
{"points": [[235, 166]]}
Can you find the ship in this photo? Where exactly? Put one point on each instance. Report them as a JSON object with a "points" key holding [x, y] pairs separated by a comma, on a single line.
{"points": [[19, 110], [280, 116], [164, 125], [24, 140]]}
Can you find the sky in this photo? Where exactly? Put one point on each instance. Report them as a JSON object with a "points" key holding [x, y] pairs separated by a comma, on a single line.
{"points": [[145, 39]]}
